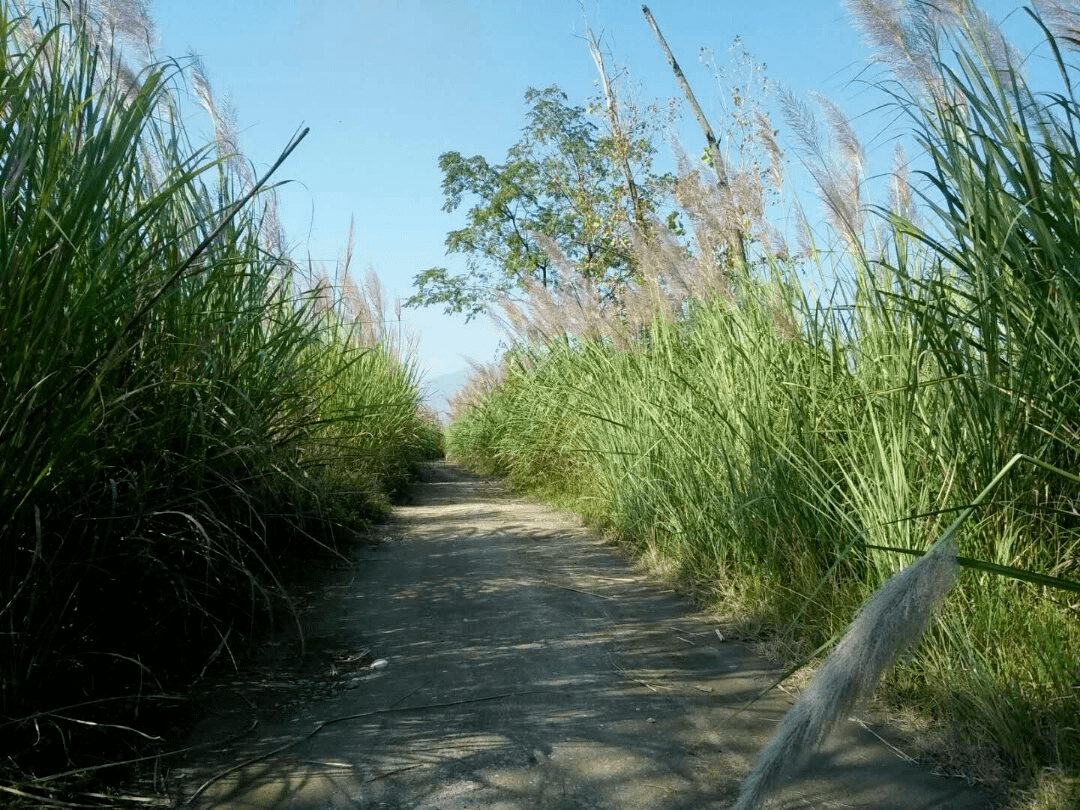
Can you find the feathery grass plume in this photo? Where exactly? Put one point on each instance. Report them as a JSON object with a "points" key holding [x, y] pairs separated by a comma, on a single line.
{"points": [[849, 160], [378, 305], [883, 22], [271, 231], [576, 307], [714, 211], [362, 308], [223, 116], [1063, 20], [907, 32], [836, 167], [889, 624], [483, 378], [660, 291], [660, 260], [117, 22], [766, 136], [999, 57], [848, 146], [117, 29], [114, 30], [774, 242], [804, 238], [900, 200]]}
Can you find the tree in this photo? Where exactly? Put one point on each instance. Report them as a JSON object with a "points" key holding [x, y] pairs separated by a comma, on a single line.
{"points": [[568, 187]]}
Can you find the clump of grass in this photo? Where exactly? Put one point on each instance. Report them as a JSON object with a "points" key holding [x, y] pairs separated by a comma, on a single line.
{"points": [[791, 450], [182, 420]]}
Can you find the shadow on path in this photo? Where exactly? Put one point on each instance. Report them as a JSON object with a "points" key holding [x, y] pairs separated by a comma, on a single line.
{"points": [[489, 653]]}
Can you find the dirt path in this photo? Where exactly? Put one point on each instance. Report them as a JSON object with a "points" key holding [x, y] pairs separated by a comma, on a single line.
{"points": [[489, 653]]}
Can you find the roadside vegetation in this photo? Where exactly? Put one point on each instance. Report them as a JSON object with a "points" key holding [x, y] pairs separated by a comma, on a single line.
{"points": [[188, 417], [784, 428]]}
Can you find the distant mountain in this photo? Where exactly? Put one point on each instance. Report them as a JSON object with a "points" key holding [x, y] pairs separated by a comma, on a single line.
{"points": [[438, 390]]}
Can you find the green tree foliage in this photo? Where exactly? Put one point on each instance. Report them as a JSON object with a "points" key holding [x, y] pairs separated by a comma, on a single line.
{"points": [[568, 185]]}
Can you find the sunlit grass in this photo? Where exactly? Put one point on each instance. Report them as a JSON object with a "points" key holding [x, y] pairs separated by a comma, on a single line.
{"points": [[182, 426], [784, 451]]}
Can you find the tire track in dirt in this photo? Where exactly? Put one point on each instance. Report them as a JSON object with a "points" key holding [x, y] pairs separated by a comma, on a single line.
{"points": [[489, 652]]}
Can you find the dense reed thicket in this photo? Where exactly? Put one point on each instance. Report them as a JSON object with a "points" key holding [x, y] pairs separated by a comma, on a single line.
{"points": [[182, 425], [785, 452]]}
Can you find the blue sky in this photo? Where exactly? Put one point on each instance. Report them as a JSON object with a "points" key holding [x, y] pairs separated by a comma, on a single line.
{"points": [[386, 87]]}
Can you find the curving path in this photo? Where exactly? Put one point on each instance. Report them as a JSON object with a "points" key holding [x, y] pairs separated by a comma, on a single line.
{"points": [[489, 653]]}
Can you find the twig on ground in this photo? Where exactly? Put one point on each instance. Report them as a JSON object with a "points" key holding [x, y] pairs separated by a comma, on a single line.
{"points": [[324, 723], [575, 590], [89, 768], [904, 756], [43, 799], [630, 677], [391, 773]]}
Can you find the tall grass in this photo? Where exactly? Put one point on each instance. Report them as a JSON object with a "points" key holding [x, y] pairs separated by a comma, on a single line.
{"points": [[181, 424], [787, 452]]}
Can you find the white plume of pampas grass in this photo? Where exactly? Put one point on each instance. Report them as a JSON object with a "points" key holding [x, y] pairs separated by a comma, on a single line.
{"points": [[890, 623]]}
